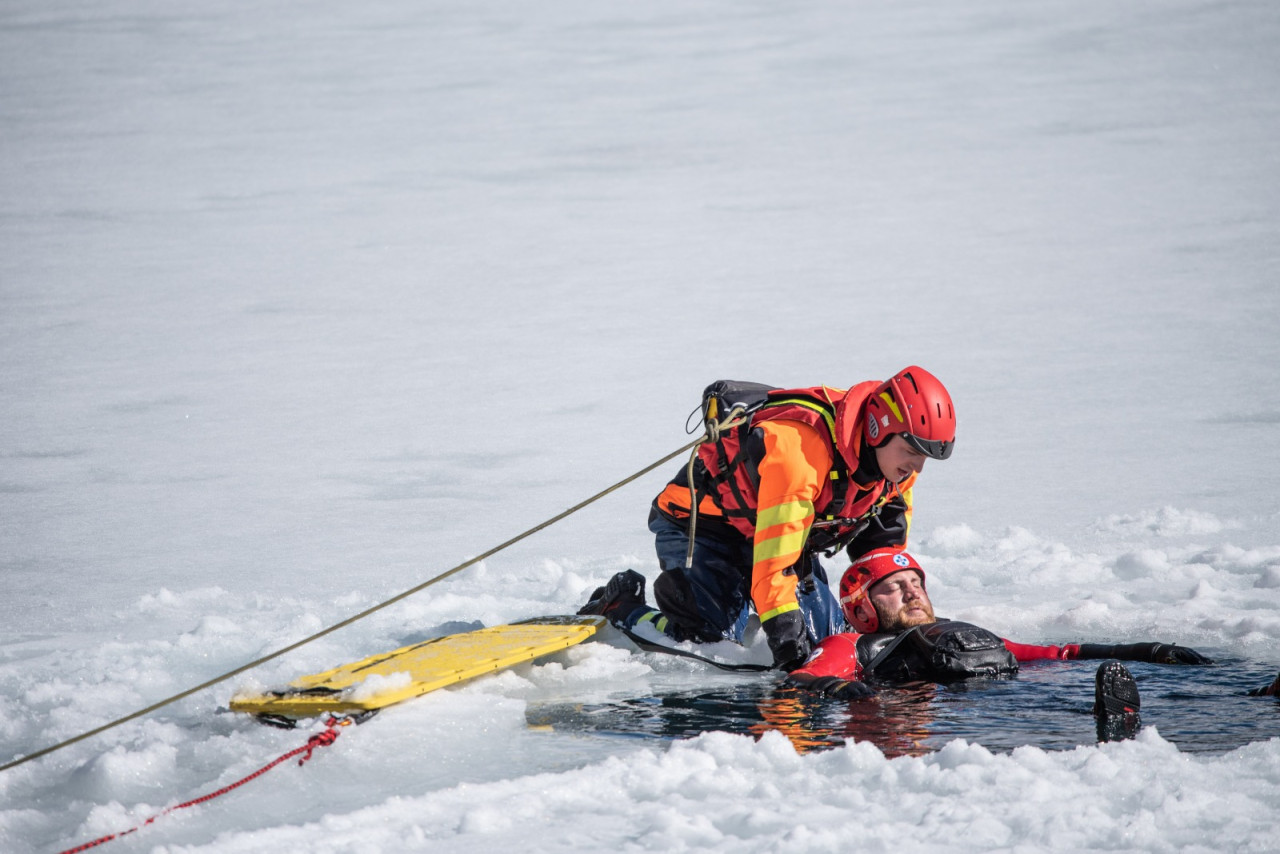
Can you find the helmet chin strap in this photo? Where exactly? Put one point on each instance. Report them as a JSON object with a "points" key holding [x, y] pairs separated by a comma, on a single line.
{"points": [[869, 463], [872, 620]]}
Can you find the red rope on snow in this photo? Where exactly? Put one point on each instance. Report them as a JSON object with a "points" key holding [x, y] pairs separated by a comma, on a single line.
{"points": [[320, 739]]}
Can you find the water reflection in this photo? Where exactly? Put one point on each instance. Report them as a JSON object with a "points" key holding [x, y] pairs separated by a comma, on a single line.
{"points": [[897, 721]]}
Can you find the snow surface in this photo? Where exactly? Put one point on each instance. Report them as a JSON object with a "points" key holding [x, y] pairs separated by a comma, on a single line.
{"points": [[304, 304]]}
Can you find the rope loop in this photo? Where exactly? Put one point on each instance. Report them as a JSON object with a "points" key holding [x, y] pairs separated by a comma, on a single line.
{"points": [[320, 739]]}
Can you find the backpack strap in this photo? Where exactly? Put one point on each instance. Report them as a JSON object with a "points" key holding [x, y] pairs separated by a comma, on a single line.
{"points": [[741, 399]]}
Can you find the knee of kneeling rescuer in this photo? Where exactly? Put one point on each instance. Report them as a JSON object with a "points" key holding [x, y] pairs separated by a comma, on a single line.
{"points": [[674, 596]]}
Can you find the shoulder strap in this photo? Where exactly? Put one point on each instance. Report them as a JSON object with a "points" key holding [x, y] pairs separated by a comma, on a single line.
{"points": [[868, 669]]}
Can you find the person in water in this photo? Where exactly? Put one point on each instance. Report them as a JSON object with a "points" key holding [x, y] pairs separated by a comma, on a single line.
{"points": [[897, 638]]}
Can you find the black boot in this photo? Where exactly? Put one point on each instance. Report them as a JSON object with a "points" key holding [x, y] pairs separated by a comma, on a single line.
{"points": [[1116, 702], [616, 600]]}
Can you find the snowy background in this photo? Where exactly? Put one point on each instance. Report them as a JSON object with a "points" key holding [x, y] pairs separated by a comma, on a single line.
{"points": [[304, 303]]}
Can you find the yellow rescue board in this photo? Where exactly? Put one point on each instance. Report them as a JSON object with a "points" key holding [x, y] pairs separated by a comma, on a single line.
{"points": [[414, 670]]}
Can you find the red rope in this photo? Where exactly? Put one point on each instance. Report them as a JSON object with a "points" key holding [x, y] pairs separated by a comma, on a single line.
{"points": [[320, 739]]}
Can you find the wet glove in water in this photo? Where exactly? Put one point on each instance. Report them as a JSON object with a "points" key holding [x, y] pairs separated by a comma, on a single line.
{"points": [[841, 689], [1155, 653]]}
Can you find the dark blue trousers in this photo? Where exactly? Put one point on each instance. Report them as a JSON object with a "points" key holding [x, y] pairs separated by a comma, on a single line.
{"points": [[711, 601]]}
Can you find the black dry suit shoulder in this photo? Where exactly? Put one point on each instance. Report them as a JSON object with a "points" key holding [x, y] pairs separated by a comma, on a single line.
{"points": [[945, 651]]}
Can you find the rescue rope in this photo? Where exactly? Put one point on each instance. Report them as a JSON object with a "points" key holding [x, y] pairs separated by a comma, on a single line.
{"points": [[320, 739], [360, 616], [737, 416]]}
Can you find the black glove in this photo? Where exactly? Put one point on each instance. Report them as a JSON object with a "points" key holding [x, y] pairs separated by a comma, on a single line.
{"points": [[788, 640], [1272, 690], [1168, 653], [1155, 653], [841, 689]]}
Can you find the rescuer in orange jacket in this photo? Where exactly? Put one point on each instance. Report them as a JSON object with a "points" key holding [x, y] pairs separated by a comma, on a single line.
{"points": [[811, 471]]}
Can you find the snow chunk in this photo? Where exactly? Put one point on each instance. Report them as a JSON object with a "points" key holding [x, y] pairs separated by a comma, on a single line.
{"points": [[372, 686], [957, 540], [1269, 579], [1166, 522], [1144, 563]]}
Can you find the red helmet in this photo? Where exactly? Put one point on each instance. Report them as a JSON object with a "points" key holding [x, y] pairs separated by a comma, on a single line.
{"points": [[914, 403], [859, 578]]}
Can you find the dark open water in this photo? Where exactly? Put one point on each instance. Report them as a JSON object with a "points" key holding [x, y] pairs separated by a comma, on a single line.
{"points": [[1200, 709]]}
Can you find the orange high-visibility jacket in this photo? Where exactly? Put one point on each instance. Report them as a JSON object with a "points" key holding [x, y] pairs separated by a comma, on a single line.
{"points": [[777, 475]]}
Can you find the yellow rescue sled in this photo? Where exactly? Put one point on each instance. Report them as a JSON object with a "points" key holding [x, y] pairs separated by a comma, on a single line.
{"points": [[393, 677]]}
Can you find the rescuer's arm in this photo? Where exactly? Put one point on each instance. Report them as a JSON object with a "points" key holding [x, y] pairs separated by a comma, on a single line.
{"points": [[792, 469]]}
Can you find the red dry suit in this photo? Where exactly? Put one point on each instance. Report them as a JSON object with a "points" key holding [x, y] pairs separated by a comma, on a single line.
{"points": [[837, 656]]}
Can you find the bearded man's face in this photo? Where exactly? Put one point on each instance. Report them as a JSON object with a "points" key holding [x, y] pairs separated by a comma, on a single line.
{"points": [[901, 601]]}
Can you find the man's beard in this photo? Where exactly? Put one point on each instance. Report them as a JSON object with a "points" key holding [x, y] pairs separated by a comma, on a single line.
{"points": [[904, 618]]}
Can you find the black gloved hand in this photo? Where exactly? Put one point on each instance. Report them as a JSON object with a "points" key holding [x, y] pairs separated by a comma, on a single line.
{"points": [[841, 689], [1156, 653], [1168, 653], [790, 654], [788, 640]]}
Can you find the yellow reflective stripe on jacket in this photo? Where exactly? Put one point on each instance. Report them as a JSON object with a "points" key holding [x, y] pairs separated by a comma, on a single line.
{"points": [[784, 514], [809, 404], [783, 549], [781, 609], [905, 489]]}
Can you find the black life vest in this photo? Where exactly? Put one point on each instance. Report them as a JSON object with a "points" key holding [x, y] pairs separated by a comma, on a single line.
{"points": [[945, 651]]}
